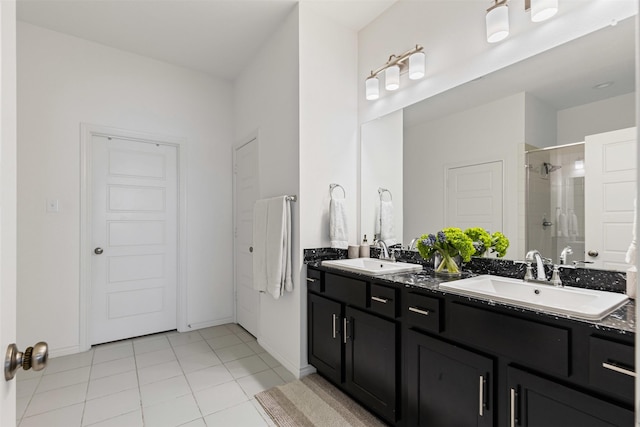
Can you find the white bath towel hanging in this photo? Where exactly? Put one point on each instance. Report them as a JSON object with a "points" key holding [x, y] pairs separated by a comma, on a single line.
{"points": [[272, 246], [573, 224], [338, 231], [630, 257]]}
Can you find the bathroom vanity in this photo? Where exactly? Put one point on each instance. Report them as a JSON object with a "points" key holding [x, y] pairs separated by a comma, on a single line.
{"points": [[415, 354]]}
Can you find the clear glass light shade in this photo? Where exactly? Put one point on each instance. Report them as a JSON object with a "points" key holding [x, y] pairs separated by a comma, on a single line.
{"points": [[372, 88], [497, 23], [543, 9], [392, 78], [416, 66]]}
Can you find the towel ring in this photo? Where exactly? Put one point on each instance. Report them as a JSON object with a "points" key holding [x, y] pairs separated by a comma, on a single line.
{"points": [[333, 187], [381, 192]]}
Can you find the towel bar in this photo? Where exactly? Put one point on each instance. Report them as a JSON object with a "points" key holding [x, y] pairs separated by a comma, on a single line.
{"points": [[334, 186]]}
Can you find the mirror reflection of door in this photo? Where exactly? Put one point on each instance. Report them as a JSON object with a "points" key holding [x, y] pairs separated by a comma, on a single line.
{"points": [[610, 185], [474, 196]]}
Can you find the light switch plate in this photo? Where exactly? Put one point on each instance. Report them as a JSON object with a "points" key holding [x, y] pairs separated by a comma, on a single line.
{"points": [[53, 205]]}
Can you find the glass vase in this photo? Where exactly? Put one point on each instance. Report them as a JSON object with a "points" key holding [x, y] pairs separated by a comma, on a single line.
{"points": [[446, 264]]}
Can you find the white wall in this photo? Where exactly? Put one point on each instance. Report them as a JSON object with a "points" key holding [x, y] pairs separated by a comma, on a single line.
{"points": [[453, 35], [618, 112], [266, 99], [64, 81], [329, 146], [467, 137], [381, 166]]}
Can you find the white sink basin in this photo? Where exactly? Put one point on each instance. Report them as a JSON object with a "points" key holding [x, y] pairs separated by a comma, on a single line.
{"points": [[372, 266], [577, 302]]}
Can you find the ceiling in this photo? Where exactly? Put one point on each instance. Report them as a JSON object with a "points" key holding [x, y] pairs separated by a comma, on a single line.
{"points": [[218, 37], [562, 77]]}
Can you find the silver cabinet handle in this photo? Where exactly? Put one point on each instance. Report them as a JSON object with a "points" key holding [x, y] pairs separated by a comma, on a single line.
{"points": [[378, 299], [481, 396], [345, 324], [417, 310], [618, 369], [334, 325], [309, 279], [512, 409]]}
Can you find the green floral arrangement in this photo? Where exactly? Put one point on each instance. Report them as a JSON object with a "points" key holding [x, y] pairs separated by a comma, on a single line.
{"points": [[483, 241], [449, 242], [499, 244]]}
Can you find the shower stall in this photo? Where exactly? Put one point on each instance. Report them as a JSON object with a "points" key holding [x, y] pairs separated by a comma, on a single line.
{"points": [[555, 202]]}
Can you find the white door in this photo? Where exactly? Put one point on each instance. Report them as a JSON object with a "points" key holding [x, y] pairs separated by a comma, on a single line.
{"points": [[474, 196], [610, 188], [134, 234], [247, 192], [7, 201]]}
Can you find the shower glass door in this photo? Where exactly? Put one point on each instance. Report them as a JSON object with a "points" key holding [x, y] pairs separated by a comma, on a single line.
{"points": [[555, 201]]}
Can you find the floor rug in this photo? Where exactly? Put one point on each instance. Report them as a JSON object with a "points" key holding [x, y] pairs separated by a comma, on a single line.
{"points": [[312, 401]]}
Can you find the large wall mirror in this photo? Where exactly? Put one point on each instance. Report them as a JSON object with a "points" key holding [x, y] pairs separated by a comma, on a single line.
{"points": [[464, 151]]}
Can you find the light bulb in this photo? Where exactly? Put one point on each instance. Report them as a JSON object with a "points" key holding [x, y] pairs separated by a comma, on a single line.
{"points": [[416, 66], [392, 78], [372, 88], [497, 23], [543, 9]]}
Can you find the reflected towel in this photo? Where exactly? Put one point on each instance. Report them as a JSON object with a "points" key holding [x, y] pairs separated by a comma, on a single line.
{"points": [[338, 233], [573, 224], [272, 246], [630, 257], [384, 226]]}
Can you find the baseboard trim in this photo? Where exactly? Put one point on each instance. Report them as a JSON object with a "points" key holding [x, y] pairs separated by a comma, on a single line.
{"points": [[64, 351], [201, 325]]}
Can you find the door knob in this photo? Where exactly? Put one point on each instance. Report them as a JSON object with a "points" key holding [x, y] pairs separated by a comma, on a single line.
{"points": [[33, 357], [98, 251], [251, 249], [593, 253]]}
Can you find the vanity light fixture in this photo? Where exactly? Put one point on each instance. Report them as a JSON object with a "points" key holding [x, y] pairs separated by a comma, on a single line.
{"points": [[413, 60], [497, 17]]}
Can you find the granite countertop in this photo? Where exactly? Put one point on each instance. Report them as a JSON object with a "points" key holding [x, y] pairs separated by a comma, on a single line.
{"points": [[621, 320]]}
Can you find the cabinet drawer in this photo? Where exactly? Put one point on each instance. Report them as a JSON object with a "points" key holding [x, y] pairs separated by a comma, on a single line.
{"points": [[423, 312], [537, 345], [345, 289], [612, 367], [314, 280], [383, 300]]}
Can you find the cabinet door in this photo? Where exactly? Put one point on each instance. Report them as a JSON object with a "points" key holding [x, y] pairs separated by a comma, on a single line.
{"points": [[324, 337], [447, 385], [370, 362], [537, 402]]}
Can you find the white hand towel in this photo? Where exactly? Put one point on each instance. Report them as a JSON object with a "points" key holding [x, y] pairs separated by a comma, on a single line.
{"points": [[260, 210], [573, 224], [630, 257], [564, 225], [338, 233], [384, 226]]}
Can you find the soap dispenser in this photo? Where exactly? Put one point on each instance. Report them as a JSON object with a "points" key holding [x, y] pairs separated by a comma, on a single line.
{"points": [[364, 248]]}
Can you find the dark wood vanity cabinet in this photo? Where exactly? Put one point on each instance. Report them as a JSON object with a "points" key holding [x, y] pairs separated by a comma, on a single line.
{"points": [[419, 357], [352, 345], [537, 402], [446, 384]]}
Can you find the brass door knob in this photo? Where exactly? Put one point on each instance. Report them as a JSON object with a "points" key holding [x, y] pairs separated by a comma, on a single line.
{"points": [[33, 358]]}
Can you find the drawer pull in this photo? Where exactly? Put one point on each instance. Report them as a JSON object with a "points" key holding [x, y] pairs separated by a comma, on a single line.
{"points": [[310, 280], [334, 325], [618, 369], [378, 299], [345, 324], [419, 311]]}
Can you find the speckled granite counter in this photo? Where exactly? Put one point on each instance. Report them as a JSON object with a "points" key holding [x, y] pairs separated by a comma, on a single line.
{"points": [[621, 320]]}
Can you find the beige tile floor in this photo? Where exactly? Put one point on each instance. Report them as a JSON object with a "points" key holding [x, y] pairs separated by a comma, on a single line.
{"points": [[203, 378]]}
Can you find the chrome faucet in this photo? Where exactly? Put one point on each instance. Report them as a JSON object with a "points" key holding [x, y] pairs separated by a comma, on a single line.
{"points": [[414, 242], [384, 249], [534, 256], [563, 255]]}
